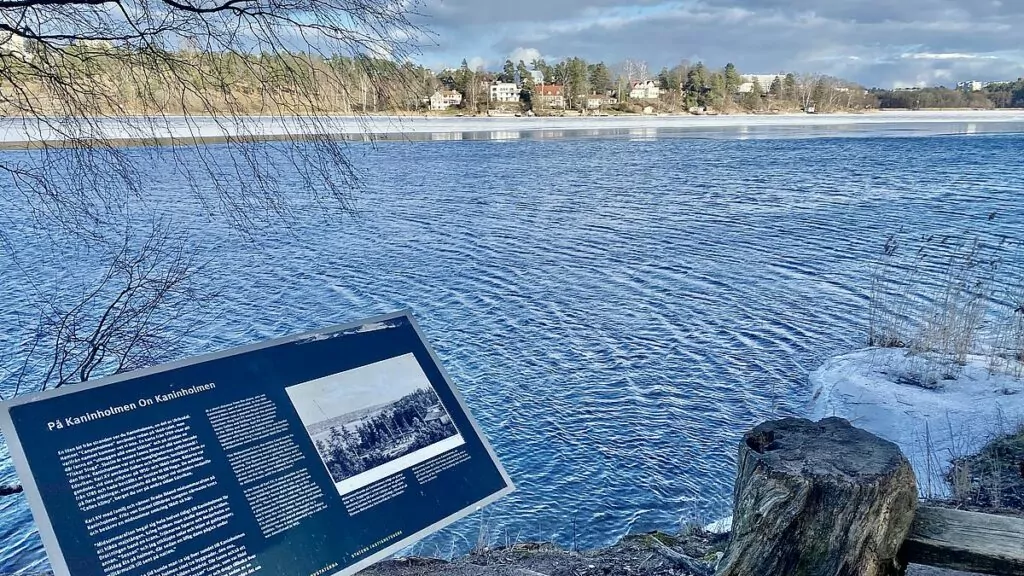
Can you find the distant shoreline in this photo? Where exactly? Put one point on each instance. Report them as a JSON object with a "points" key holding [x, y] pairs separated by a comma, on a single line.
{"points": [[158, 131]]}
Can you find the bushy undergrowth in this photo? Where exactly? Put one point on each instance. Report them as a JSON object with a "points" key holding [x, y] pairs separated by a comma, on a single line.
{"points": [[945, 299], [992, 478]]}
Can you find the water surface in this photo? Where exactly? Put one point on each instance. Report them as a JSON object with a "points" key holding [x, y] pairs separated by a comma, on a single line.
{"points": [[616, 309]]}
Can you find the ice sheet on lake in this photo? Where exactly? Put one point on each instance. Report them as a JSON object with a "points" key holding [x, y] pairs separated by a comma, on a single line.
{"points": [[930, 426], [14, 130]]}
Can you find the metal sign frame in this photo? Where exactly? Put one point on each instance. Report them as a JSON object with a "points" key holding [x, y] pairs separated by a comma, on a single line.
{"points": [[42, 518]]}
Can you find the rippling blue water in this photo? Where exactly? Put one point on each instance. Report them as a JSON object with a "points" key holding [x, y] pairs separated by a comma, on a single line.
{"points": [[616, 312]]}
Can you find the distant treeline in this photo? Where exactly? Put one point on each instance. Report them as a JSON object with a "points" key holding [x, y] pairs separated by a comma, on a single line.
{"points": [[685, 86], [111, 80], [995, 95], [414, 421], [103, 79]]}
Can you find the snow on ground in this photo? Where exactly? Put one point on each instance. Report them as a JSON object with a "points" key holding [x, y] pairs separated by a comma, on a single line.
{"points": [[14, 130], [930, 426]]}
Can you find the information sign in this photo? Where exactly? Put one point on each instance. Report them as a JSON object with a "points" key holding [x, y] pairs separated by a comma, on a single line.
{"points": [[310, 455]]}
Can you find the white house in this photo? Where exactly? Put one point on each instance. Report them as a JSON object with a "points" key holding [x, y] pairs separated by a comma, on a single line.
{"points": [[598, 101], [504, 92], [445, 99], [765, 80], [648, 90], [970, 86]]}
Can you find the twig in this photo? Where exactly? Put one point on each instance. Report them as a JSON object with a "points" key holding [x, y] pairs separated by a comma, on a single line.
{"points": [[681, 560]]}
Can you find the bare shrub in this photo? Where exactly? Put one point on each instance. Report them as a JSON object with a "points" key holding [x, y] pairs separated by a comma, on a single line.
{"points": [[137, 312], [98, 92], [934, 300], [1007, 353]]}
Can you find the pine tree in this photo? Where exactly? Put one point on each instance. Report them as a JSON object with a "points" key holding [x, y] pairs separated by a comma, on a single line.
{"points": [[718, 92], [524, 73], [732, 78], [696, 87], [600, 78], [752, 99], [789, 86], [508, 72]]}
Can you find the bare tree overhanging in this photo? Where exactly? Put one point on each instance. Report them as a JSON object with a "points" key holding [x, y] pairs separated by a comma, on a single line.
{"points": [[141, 309], [80, 80], [78, 75]]}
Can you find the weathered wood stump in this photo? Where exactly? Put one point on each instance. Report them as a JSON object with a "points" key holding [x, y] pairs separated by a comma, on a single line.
{"points": [[818, 498]]}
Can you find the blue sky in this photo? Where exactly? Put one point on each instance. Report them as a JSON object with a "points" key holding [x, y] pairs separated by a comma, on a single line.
{"points": [[874, 42]]}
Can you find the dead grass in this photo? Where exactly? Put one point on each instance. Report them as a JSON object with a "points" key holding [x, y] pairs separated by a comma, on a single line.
{"points": [[944, 298], [993, 478]]}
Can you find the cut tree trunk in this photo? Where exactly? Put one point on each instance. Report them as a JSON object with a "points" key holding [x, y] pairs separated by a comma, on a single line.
{"points": [[819, 498]]}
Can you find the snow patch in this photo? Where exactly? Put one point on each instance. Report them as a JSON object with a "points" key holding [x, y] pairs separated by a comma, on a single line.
{"points": [[20, 131], [720, 526], [932, 426]]}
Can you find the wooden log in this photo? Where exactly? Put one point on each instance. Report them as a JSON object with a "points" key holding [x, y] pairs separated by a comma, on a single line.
{"points": [[818, 498], [967, 541]]}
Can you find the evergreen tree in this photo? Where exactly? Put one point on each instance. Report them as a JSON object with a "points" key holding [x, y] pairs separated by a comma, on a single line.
{"points": [[577, 85], [465, 83], [508, 72], [600, 78], [718, 93], [752, 100], [789, 86], [1017, 98], [541, 66], [696, 87], [732, 78], [821, 95], [524, 73], [664, 82]]}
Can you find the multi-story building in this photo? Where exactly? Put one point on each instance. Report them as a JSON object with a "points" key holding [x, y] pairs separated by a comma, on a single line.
{"points": [[764, 80], [550, 96], [445, 99], [648, 90], [504, 92]]}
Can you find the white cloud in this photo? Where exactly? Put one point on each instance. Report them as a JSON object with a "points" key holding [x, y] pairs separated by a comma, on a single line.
{"points": [[946, 56], [476, 62], [527, 55]]}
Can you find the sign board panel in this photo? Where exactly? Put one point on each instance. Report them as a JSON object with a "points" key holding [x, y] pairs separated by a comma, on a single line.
{"points": [[310, 455]]}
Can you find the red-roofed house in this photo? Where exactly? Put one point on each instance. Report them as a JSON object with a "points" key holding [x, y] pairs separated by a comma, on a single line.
{"points": [[550, 95]]}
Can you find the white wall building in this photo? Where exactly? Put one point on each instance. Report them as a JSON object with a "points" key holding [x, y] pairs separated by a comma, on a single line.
{"points": [[648, 90], [765, 80], [970, 86], [445, 99], [504, 92]]}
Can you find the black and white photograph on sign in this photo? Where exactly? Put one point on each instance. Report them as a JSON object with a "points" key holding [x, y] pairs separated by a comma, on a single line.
{"points": [[374, 421]]}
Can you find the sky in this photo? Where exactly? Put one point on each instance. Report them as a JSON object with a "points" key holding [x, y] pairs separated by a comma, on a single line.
{"points": [[878, 43], [378, 383]]}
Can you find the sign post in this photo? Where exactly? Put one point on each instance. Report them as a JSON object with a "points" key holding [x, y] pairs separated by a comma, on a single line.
{"points": [[311, 455]]}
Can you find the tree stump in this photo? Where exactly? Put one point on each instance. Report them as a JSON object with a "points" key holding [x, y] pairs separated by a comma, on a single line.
{"points": [[818, 498]]}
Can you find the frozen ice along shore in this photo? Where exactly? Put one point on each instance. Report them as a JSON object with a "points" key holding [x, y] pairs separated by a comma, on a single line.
{"points": [[932, 426], [18, 130]]}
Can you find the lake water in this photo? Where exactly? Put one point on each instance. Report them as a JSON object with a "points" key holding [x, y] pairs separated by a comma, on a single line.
{"points": [[616, 309]]}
